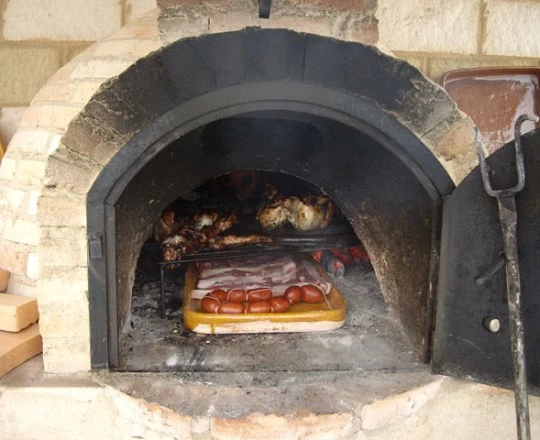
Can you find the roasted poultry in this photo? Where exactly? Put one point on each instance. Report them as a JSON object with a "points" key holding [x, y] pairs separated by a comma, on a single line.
{"points": [[203, 231], [303, 214]]}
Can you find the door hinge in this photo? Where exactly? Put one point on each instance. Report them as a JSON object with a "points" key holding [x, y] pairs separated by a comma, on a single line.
{"points": [[95, 247]]}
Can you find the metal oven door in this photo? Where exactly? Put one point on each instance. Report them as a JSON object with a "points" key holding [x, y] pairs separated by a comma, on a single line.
{"points": [[472, 336]]}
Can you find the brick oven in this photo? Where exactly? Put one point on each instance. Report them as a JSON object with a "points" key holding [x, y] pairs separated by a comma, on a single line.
{"points": [[387, 145], [279, 79]]}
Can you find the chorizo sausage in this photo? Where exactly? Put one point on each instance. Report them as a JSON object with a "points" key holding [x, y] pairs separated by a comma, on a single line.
{"points": [[262, 294], [209, 304], [259, 307], [279, 304], [312, 294], [231, 308], [219, 294], [236, 295], [293, 294]]}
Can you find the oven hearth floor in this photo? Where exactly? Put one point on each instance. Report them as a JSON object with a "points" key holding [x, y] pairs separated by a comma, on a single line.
{"points": [[370, 340]]}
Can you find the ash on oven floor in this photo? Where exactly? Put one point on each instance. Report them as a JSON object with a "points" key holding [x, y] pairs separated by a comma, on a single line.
{"points": [[370, 340]]}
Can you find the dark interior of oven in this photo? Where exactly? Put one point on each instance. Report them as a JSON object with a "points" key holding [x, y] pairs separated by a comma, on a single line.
{"points": [[228, 167]]}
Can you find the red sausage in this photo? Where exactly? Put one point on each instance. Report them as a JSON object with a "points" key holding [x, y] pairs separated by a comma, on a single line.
{"points": [[209, 304], [293, 294], [262, 294], [312, 294], [219, 294], [231, 308], [236, 295], [259, 307], [279, 304]]}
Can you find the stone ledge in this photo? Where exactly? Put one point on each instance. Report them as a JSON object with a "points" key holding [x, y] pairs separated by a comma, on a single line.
{"points": [[108, 405]]}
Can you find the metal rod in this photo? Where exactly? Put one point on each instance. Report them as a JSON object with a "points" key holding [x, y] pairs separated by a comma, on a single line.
{"points": [[434, 264], [508, 216], [162, 290], [497, 265]]}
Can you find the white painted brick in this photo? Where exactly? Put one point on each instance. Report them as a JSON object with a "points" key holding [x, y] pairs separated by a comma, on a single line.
{"points": [[429, 25], [32, 266], [61, 211], [32, 141], [136, 8], [8, 167], [66, 355], [64, 246], [512, 28], [126, 48], [64, 318], [50, 116], [54, 143], [22, 286], [11, 199], [22, 231], [31, 172], [85, 90], [53, 281], [142, 29], [13, 257], [9, 122], [33, 199], [80, 20], [100, 68]]}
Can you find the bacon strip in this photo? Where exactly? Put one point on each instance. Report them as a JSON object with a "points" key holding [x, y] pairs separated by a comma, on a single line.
{"points": [[274, 273]]}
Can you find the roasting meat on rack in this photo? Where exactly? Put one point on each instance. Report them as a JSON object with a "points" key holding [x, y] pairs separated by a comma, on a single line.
{"points": [[303, 214]]}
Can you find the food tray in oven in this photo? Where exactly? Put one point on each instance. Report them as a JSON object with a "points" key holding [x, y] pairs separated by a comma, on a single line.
{"points": [[302, 317]]}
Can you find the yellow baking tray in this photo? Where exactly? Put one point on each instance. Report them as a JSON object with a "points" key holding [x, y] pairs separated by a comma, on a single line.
{"points": [[301, 317]]}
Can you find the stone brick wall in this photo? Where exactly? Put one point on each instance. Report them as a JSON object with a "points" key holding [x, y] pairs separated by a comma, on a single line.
{"points": [[37, 38], [436, 36]]}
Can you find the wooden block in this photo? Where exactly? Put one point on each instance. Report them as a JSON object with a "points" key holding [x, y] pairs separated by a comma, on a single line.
{"points": [[17, 348], [17, 312], [4, 277]]}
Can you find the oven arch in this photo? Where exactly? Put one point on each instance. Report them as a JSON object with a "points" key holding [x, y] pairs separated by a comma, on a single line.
{"points": [[273, 70]]}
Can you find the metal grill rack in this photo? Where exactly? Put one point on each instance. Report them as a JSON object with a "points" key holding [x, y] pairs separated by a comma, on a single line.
{"points": [[279, 245]]}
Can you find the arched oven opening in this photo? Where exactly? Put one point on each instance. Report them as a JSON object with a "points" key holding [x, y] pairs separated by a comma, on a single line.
{"points": [[381, 228]]}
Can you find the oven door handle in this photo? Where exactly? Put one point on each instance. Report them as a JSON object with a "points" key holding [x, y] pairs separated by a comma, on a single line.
{"points": [[508, 218]]}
